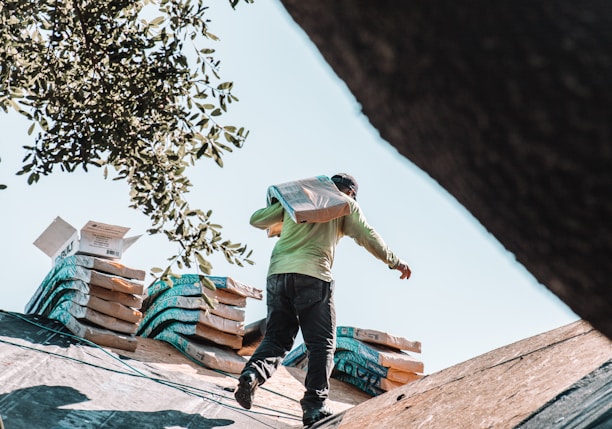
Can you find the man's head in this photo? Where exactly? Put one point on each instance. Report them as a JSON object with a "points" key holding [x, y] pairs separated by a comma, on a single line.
{"points": [[346, 183]]}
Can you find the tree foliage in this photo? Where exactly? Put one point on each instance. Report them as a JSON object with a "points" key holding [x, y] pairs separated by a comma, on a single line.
{"points": [[125, 86]]}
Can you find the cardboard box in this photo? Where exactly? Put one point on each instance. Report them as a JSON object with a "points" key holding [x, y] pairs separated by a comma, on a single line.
{"points": [[61, 239], [312, 200]]}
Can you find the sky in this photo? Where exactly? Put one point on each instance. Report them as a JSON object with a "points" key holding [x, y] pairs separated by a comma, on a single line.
{"points": [[467, 294]]}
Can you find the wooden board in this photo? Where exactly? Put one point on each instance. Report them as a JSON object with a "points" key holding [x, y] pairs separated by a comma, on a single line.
{"points": [[225, 297], [127, 299], [154, 322], [180, 287], [202, 333], [166, 300], [209, 356], [378, 355], [68, 271], [233, 286], [116, 310], [359, 367], [378, 337], [359, 372], [184, 288], [403, 377], [115, 283], [97, 318], [96, 335], [225, 284], [219, 337], [227, 312], [166, 306], [106, 266], [225, 325], [384, 356]]}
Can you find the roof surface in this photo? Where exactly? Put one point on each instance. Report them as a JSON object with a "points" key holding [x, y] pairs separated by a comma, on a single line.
{"points": [[49, 379], [499, 389]]}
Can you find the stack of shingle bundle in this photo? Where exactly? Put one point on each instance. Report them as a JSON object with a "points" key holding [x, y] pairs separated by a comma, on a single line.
{"points": [[178, 314], [96, 299], [373, 361]]}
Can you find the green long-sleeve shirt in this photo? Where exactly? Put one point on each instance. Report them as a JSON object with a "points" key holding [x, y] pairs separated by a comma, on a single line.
{"points": [[309, 248]]}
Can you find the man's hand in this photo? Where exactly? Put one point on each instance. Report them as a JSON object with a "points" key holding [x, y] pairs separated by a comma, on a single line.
{"points": [[404, 269]]}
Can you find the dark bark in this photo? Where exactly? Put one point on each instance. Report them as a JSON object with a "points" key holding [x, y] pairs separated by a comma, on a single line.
{"points": [[508, 105]]}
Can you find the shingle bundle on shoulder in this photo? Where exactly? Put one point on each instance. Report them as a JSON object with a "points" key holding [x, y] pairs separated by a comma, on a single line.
{"points": [[178, 314], [373, 361], [95, 298]]}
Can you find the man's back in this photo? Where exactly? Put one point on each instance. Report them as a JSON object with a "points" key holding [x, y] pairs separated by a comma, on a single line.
{"points": [[304, 248], [309, 248]]}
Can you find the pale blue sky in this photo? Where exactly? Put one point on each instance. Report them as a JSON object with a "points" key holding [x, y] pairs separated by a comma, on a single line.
{"points": [[467, 294]]}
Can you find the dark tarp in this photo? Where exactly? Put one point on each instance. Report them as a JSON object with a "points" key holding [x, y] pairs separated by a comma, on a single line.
{"points": [[585, 405], [49, 379]]}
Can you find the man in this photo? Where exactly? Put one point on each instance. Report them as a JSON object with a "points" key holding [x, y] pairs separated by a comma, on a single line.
{"points": [[300, 296]]}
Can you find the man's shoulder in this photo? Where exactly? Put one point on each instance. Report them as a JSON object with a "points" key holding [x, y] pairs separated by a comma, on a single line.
{"points": [[353, 205]]}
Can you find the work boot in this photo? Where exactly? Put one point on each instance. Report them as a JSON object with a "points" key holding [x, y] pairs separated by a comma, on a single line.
{"points": [[245, 392], [313, 415]]}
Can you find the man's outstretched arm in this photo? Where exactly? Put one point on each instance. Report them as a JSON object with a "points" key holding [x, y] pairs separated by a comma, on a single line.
{"points": [[356, 227]]}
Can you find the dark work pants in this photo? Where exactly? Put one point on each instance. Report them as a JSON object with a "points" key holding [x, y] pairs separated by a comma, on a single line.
{"points": [[297, 301]]}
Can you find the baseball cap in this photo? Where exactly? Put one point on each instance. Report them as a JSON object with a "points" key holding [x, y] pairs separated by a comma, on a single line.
{"points": [[347, 181]]}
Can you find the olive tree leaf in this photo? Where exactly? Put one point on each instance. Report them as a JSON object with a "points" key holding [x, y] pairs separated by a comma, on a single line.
{"points": [[108, 86]]}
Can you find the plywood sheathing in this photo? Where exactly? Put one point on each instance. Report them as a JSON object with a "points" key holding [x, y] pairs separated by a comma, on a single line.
{"points": [[498, 389]]}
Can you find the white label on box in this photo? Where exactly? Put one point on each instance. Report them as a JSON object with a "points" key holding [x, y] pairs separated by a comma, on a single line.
{"points": [[100, 244]]}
